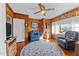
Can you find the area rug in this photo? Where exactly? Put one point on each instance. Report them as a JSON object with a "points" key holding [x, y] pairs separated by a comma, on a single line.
{"points": [[41, 48]]}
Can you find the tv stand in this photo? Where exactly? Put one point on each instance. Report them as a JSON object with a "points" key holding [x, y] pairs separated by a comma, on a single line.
{"points": [[11, 47]]}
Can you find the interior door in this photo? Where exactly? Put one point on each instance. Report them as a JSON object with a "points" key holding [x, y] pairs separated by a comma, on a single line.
{"points": [[19, 29]]}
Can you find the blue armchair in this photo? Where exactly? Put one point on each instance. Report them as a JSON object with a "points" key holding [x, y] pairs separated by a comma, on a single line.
{"points": [[68, 41], [34, 35]]}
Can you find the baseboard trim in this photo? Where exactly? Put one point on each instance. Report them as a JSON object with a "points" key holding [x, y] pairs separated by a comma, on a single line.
{"points": [[20, 42]]}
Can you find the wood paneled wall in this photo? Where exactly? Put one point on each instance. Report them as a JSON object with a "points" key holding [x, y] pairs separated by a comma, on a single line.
{"points": [[41, 26], [28, 20], [21, 16], [29, 25]]}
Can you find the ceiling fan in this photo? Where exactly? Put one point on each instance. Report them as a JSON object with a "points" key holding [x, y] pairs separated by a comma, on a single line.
{"points": [[43, 9]]}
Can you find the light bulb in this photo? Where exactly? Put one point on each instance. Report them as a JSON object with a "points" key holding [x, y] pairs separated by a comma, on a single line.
{"points": [[25, 24], [42, 12]]}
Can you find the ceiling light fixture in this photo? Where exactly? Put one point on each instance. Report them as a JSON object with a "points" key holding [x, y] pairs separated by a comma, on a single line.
{"points": [[43, 12]]}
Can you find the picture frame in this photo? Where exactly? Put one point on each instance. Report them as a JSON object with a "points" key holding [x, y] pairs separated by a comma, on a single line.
{"points": [[34, 25]]}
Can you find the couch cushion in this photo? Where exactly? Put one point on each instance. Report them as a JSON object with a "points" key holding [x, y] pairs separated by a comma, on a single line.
{"points": [[70, 35]]}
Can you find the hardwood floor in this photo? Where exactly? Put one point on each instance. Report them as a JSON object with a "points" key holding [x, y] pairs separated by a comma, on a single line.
{"points": [[53, 40], [20, 45], [66, 52]]}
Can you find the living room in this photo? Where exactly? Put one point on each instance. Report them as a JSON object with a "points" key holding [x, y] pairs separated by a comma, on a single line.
{"points": [[21, 27]]}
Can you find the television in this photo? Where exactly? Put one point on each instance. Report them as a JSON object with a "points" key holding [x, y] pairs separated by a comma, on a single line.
{"points": [[8, 30]]}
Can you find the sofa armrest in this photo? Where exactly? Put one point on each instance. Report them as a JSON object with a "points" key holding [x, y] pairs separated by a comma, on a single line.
{"points": [[61, 37]]}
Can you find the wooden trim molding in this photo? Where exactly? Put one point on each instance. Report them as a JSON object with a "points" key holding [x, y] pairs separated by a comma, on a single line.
{"points": [[68, 14], [21, 16], [9, 11]]}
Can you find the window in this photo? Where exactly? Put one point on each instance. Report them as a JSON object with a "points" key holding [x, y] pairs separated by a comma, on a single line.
{"points": [[69, 24]]}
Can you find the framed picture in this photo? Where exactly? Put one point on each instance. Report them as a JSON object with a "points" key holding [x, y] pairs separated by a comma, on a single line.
{"points": [[34, 25]]}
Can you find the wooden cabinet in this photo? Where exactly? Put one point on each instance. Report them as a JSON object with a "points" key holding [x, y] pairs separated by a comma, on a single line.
{"points": [[77, 48], [11, 47]]}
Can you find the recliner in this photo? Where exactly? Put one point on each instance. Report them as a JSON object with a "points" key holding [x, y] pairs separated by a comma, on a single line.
{"points": [[68, 41]]}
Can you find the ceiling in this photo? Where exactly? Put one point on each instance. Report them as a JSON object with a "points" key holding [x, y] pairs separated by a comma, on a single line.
{"points": [[30, 8]]}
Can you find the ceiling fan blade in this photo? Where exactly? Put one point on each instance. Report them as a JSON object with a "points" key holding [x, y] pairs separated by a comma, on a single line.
{"points": [[42, 7], [37, 12], [49, 9]]}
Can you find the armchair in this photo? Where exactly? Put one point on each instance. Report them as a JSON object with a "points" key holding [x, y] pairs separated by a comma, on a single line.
{"points": [[68, 41], [34, 35]]}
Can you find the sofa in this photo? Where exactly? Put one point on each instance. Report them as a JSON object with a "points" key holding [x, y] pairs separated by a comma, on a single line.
{"points": [[68, 41], [34, 35]]}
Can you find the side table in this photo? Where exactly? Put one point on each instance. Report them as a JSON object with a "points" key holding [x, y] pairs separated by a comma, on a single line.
{"points": [[77, 48]]}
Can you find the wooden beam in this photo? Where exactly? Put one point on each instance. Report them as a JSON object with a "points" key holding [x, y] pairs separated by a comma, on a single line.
{"points": [[9, 11]]}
